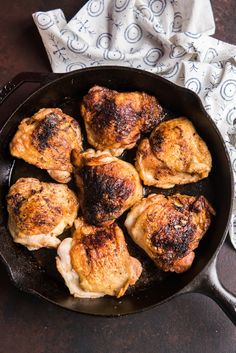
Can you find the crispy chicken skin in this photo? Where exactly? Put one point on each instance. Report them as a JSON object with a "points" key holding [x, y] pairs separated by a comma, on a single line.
{"points": [[96, 261], [114, 121], [174, 154], [46, 141], [107, 186], [39, 212], [169, 228]]}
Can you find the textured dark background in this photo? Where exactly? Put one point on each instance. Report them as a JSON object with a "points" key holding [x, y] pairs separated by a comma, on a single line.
{"points": [[188, 324]]}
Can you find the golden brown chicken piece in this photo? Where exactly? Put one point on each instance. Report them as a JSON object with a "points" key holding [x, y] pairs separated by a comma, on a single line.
{"points": [[114, 121], [96, 261], [174, 154], [169, 228], [39, 212], [107, 186], [46, 141]]}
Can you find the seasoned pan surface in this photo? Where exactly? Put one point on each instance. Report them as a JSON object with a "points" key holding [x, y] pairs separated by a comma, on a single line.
{"points": [[35, 271]]}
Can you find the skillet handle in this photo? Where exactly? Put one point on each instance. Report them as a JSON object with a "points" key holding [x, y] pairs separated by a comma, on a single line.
{"points": [[210, 285], [23, 77]]}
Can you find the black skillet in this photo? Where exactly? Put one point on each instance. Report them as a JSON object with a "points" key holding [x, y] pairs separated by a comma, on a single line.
{"points": [[34, 272]]}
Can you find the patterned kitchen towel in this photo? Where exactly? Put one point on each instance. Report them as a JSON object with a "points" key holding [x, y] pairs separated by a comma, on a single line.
{"points": [[167, 37]]}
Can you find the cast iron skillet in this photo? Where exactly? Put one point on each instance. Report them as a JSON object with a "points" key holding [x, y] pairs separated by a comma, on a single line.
{"points": [[34, 272]]}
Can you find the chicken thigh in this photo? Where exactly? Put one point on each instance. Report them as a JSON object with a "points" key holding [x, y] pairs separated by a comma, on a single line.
{"points": [[107, 186], [96, 261], [39, 212], [174, 154], [169, 228], [114, 120], [46, 141]]}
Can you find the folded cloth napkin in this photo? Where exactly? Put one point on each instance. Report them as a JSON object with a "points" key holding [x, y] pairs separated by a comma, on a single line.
{"points": [[168, 37]]}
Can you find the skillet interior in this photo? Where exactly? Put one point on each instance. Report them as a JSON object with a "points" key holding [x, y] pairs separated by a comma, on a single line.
{"points": [[35, 271]]}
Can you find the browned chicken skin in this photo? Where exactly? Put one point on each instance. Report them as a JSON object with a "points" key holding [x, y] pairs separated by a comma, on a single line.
{"points": [[174, 154], [107, 186], [39, 212], [96, 262], [46, 141], [114, 121], [170, 228]]}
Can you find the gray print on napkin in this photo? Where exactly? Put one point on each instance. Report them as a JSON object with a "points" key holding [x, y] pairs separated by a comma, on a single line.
{"points": [[165, 37]]}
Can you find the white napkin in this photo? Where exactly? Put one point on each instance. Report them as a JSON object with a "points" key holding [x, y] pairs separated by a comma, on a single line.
{"points": [[166, 37]]}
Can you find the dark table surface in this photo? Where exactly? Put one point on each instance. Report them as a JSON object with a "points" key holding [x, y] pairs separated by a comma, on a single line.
{"points": [[187, 324]]}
